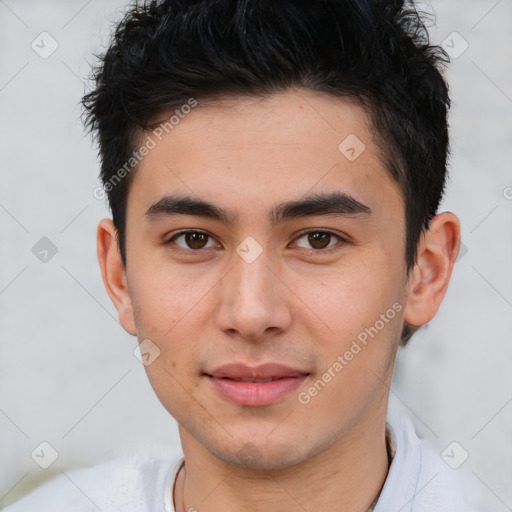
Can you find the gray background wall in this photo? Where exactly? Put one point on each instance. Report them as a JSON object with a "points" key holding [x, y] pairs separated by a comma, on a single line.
{"points": [[68, 375]]}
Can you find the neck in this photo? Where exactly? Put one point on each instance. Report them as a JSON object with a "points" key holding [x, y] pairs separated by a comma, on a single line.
{"points": [[347, 475]]}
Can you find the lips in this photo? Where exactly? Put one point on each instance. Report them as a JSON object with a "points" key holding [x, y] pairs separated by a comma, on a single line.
{"points": [[253, 380], [255, 386], [263, 373]]}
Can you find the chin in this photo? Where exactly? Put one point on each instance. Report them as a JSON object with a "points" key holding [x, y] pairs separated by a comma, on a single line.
{"points": [[259, 454]]}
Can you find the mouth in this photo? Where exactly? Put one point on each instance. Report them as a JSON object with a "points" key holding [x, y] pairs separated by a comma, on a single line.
{"points": [[251, 380], [255, 386]]}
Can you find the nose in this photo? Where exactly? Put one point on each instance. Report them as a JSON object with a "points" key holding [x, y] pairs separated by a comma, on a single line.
{"points": [[254, 302]]}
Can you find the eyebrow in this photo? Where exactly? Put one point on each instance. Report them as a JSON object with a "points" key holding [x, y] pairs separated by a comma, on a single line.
{"points": [[334, 203]]}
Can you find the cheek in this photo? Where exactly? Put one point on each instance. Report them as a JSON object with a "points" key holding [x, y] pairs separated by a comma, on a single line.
{"points": [[168, 311], [360, 314], [350, 298], [172, 389], [165, 296]]}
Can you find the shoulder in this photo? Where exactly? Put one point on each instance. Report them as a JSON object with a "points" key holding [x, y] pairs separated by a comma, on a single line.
{"points": [[419, 480], [126, 484]]}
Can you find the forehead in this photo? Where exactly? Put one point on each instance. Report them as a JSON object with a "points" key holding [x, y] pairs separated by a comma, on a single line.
{"points": [[257, 152]]}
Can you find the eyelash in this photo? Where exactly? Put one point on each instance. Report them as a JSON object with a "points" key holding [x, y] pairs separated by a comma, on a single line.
{"points": [[328, 250]]}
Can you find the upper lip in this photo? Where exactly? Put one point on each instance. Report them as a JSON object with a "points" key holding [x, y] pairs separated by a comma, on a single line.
{"points": [[263, 371]]}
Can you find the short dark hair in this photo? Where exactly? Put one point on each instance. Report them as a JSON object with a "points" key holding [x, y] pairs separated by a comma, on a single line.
{"points": [[376, 52]]}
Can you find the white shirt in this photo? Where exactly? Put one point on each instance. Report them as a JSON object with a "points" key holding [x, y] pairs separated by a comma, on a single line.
{"points": [[418, 481]]}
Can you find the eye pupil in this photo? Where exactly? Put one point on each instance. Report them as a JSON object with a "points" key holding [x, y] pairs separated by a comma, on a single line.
{"points": [[196, 240], [319, 238]]}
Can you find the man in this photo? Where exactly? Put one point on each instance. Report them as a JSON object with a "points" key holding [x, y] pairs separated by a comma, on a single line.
{"points": [[274, 171]]}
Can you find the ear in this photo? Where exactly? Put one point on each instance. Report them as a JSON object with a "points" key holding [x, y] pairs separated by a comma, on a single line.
{"points": [[114, 274], [437, 251]]}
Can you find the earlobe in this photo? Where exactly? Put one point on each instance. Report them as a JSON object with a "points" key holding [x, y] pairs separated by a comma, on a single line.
{"points": [[113, 273], [437, 252]]}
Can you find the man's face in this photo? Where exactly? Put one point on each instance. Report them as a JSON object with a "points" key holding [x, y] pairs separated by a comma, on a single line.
{"points": [[298, 292]]}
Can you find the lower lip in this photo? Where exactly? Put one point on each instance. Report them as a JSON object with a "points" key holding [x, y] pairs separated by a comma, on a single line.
{"points": [[256, 393]]}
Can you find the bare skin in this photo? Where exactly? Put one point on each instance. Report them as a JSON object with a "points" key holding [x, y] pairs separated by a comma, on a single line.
{"points": [[302, 302]]}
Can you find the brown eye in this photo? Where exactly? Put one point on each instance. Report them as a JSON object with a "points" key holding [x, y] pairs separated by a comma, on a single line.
{"points": [[319, 240], [193, 240], [196, 240]]}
